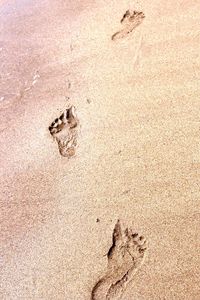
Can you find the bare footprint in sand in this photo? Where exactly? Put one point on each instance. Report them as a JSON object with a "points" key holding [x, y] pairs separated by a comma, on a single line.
{"points": [[125, 257], [130, 20], [65, 130]]}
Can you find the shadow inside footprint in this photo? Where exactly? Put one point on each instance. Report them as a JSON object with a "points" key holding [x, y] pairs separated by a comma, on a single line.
{"points": [[125, 257], [65, 130]]}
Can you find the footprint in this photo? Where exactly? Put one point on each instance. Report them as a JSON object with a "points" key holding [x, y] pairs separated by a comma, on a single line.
{"points": [[125, 257], [65, 130], [130, 20]]}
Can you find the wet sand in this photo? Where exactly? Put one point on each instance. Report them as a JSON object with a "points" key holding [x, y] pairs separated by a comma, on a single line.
{"points": [[138, 155]]}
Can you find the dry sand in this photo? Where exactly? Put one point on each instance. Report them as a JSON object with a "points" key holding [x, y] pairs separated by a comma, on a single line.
{"points": [[138, 158]]}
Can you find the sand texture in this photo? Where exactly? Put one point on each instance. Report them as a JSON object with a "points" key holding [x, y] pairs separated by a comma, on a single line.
{"points": [[100, 150]]}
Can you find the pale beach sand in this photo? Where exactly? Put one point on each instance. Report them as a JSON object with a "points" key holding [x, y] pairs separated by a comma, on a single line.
{"points": [[138, 156]]}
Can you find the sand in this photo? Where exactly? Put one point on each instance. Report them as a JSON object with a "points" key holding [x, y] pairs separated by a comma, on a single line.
{"points": [[138, 158]]}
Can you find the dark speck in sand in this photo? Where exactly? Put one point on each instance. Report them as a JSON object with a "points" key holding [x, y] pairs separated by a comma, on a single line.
{"points": [[88, 101], [126, 192]]}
